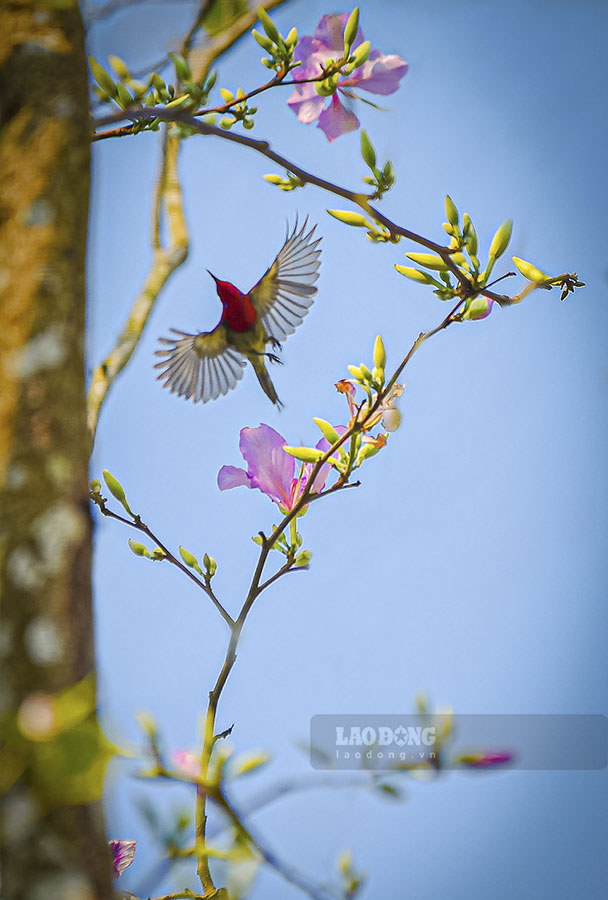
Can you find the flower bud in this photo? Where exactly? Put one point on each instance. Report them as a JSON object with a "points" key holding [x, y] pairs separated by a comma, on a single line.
{"points": [[361, 54], [328, 431], [190, 560], [451, 211], [263, 41], [304, 454], [120, 67], [379, 353], [116, 489], [349, 218], [268, 25], [417, 275], [95, 486], [102, 78], [210, 564], [478, 308], [428, 260], [391, 419], [501, 239], [302, 559], [350, 30], [367, 150], [529, 271], [138, 549], [292, 38], [356, 373]]}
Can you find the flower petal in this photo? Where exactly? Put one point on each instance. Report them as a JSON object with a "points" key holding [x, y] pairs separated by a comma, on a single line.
{"points": [[230, 477], [337, 120], [330, 32], [123, 853], [306, 103], [268, 466], [381, 74]]}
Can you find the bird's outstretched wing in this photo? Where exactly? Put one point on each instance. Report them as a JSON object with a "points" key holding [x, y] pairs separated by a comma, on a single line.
{"points": [[200, 366], [284, 294]]}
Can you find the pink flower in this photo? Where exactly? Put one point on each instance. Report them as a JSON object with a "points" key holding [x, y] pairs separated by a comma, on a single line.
{"points": [[270, 469], [380, 74], [485, 760], [123, 853], [186, 763]]}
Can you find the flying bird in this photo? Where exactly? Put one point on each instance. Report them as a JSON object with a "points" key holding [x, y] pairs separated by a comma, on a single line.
{"points": [[204, 366]]}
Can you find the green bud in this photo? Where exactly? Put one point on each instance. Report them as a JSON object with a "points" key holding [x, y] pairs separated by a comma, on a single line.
{"points": [[183, 100], [529, 271], [302, 559], [470, 233], [366, 452], [248, 123], [501, 239], [95, 486], [102, 78], [210, 564], [350, 31], [267, 62], [477, 308], [138, 549], [328, 431], [182, 69], [365, 372], [367, 150], [379, 353], [263, 41], [116, 489], [416, 275], [361, 54], [123, 95], [389, 173], [157, 82], [350, 218], [120, 67], [227, 122], [292, 38], [327, 87], [257, 540], [190, 560], [268, 25], [451, 211], [273, 179], [227, 96], [158, 554], [428, 260], [304, 454], [356, 373], [210, 83]]}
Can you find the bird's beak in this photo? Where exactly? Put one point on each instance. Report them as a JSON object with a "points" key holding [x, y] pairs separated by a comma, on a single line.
{"points": [[212, 275]]}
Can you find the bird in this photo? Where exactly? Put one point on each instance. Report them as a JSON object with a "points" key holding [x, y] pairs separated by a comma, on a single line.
{"points": [[207, 365]]}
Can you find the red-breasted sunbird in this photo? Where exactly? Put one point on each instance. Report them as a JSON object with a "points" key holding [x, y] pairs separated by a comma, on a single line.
{"points": [[204, 366]]}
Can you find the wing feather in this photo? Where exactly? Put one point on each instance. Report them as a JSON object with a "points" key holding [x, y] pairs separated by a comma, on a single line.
{"points": [[284, 294], [199, 366]]}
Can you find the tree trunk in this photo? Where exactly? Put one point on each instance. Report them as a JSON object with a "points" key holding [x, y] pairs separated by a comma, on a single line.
{"points": [[49, 849]]}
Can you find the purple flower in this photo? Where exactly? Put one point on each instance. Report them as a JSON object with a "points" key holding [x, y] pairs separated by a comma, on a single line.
{"points": [[485, 760], [270, 469], [123, 853], [380, 74]]}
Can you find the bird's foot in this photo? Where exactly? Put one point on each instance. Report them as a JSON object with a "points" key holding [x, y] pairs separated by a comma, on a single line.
{"points": [[276, 345], [275, 359]]}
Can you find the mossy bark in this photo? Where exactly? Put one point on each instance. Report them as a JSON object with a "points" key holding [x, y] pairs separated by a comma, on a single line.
{"points": [[48, 850]]}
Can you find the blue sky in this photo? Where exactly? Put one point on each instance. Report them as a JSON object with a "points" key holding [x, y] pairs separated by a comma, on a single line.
{"points": [[471, 562]]}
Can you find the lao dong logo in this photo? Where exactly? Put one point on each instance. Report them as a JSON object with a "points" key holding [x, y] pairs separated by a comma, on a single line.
{"points": [[385, 736]]}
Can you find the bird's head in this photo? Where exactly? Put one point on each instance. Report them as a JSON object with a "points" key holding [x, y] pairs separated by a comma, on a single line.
{"points": [[227, 292]]}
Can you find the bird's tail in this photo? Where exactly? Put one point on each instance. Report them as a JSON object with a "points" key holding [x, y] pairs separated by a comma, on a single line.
{"points": [[259, 366]]}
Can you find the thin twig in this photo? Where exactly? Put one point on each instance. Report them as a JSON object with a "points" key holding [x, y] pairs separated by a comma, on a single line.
{"points": [[138, 525]]}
